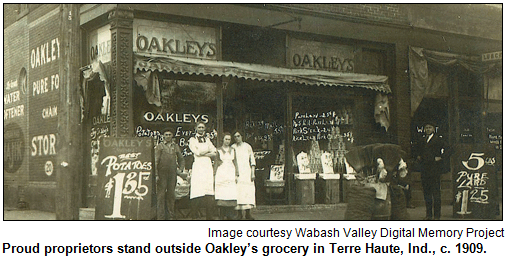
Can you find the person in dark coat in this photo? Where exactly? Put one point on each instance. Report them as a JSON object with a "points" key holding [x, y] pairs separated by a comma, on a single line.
{"points": [[430, 154], [168, 159]]}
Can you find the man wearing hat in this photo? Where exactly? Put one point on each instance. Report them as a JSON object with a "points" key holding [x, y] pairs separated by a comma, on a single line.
{"points": [[168, 158], [430, 154]]}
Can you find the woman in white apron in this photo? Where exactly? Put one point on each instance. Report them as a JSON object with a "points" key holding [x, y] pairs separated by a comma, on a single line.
{"points": [[225, 179], [246, 185], [201, 181]]}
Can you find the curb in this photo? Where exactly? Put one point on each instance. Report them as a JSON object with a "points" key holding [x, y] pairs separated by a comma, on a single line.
{"points": [[272, 209]]}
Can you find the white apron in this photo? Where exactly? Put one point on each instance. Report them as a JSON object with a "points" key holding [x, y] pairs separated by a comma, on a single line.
{"points": [[225, 178], [245, 187], [201, 181]]}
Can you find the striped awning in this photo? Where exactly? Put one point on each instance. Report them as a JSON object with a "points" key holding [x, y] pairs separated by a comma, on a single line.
{"points": [[192, 66]]}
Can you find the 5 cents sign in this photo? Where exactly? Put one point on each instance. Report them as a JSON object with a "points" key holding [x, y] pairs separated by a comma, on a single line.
{"points": [[475, 182]]}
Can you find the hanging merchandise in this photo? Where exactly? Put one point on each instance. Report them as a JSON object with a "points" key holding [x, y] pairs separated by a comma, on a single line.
{"points": [[382, 110], [91, 72], [149, 81]]}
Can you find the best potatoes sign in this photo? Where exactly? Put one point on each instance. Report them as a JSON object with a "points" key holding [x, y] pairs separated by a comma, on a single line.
{"points": [[125, 179]]}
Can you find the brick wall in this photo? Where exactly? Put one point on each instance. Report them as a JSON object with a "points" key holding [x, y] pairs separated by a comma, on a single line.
{"points": [[28, 114], [16, 151], [391, 13], [14, 12], [10, 14]]}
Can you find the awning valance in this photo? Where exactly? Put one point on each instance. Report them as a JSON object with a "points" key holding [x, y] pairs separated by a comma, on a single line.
{"points": [[260, 72], [425, 83]]}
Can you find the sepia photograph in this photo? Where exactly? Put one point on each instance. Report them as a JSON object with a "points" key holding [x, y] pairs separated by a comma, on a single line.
{"points": [[253, 112]]}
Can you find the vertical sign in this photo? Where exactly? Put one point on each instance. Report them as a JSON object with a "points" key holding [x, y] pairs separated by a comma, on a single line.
{"points": [[475, 182], [125, 180], [44, 93], [15, 93], [99, 42]]}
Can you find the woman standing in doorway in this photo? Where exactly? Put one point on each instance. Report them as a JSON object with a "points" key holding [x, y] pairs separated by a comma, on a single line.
{"points": [[201, 182], [225, 179], [246, 185]]}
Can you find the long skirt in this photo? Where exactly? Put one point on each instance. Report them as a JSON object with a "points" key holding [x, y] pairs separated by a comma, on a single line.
{"points": [[225, 182], [201, 181]]}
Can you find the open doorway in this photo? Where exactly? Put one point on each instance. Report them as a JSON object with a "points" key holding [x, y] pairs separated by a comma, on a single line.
{"points": [[434, 110], [257, 109]]}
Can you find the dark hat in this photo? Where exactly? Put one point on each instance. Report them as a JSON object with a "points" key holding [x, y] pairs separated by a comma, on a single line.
{"points": [[167, 130], [430, 123]]}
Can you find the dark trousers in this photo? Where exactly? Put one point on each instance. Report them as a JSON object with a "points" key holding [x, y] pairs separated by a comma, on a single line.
{"points": [[227, 213], [431, 188], [165, 194], [408, 194], [207, 202]]}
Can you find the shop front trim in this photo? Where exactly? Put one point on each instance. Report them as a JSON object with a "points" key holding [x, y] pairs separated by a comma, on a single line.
{"points": [[260, 72]]}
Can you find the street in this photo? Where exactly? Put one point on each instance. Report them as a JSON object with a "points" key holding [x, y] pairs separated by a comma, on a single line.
{"points": [[265, 213]]}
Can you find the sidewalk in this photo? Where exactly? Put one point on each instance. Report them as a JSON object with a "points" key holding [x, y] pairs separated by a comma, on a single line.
{"points": [[284, 212], [337, 212], [16, 214]]}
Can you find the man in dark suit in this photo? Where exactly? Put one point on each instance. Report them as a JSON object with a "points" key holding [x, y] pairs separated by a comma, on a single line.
{"points": [[430, 154]]}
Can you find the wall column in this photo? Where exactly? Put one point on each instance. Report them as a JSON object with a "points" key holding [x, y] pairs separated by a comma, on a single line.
{"points": [[401, 116], [69, 145], [122, 124]]}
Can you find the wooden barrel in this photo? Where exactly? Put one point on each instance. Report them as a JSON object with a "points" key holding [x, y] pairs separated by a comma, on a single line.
{"points": [[382, 208], [398, 204]]}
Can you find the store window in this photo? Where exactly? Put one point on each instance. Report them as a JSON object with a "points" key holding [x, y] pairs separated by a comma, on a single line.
{"points": [[470, 106], [168, 101], [257, 109], [322, 129], [494, 111], [470, 122], [96, 124]]}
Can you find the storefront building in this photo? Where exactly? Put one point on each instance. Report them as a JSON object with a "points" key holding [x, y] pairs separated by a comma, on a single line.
{"points": [[311, 86], [299, 95]]}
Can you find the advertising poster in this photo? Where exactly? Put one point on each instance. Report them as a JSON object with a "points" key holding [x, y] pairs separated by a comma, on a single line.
{"points": [[125, 179]]}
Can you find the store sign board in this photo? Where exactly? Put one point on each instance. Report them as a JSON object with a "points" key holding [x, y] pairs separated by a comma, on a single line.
{"points": [[45, 51], [320, 56], [323, 125], [172, 39], [99, 44], [492, 56], [125, 179], [495, 138], [475, 182]]}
